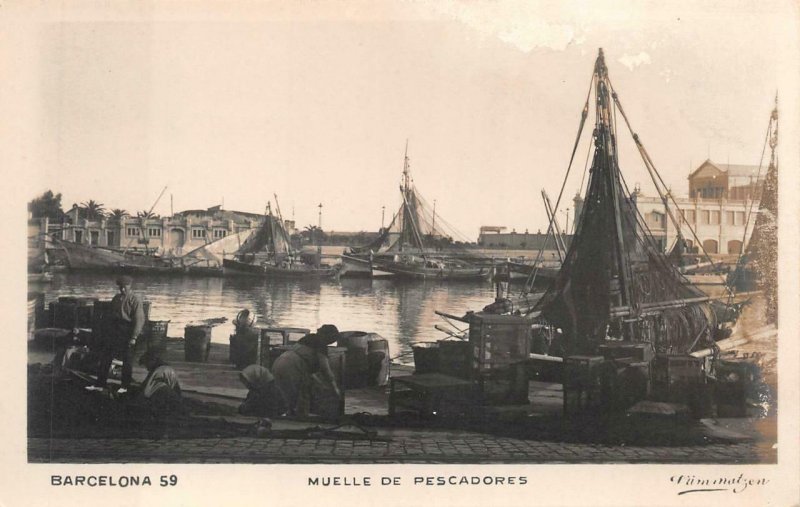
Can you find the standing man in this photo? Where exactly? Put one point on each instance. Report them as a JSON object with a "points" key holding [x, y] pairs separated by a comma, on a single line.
{"points": [[127, 321]]}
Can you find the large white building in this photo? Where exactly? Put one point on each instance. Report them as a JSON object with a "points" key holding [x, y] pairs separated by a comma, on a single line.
{"points": [[721, 198]]}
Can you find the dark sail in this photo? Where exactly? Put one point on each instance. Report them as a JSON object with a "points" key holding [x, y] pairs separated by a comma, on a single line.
{"points": [[758, 267], [615, 282]]}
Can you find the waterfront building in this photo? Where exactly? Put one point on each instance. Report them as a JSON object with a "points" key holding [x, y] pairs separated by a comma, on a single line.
{"points": [[168, 236], [721, 196]]}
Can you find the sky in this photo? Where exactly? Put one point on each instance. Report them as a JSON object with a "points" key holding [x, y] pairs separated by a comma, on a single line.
{"points": [[233, 104]]}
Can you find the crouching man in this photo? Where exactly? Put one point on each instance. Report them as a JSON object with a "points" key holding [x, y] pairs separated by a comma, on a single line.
{"points": [[263, 398], [161, 389]]}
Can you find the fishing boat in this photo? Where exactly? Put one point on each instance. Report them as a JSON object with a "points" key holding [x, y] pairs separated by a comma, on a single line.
{"points": [[757, 268], [269, 254], [413, 246], [615, 284], [80, 257], [618, 312], [208, 259]]}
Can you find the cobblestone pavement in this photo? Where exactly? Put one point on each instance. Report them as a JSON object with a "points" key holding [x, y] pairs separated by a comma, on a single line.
{"points": [[402, 447]]}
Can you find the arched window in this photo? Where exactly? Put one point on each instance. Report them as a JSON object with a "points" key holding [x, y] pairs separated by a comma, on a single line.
{"points": [[734, 246], [711, 246]]}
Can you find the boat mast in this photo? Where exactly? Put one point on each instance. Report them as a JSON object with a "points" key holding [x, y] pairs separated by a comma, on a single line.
{"points": [[605, 139]]}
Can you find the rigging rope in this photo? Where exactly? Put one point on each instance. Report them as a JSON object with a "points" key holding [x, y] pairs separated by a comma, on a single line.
{"points": [[651, 169], [532, 278], [731, 293]]}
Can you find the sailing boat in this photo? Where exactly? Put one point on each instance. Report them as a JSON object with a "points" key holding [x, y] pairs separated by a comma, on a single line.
{"points": [[615, 284], [757, 268], [407, 253], [269, 254]]}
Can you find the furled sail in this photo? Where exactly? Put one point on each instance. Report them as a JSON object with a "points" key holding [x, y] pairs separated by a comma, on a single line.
{"points": [[615, 282]]}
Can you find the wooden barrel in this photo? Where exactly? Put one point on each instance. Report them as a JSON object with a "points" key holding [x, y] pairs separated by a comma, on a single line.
{"points": [[154, 335], [455, 358], [426, 357], [197, 343], [378, 360]]}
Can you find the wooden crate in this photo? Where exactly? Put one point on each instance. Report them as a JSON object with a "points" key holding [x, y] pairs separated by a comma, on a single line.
{"points": [[498, 341]]}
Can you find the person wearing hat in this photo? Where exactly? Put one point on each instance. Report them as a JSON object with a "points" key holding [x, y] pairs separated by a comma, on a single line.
{"points": [[294, 368], [161, 389], [127, 315], [263, 398]]}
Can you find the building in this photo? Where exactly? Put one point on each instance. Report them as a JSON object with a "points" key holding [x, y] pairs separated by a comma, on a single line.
{"points": [[721, 196], [175, 235], [726, 181], [514, 240]]}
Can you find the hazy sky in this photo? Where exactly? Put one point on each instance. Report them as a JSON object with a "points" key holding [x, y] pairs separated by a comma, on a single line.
{"points": [[314, 101]]}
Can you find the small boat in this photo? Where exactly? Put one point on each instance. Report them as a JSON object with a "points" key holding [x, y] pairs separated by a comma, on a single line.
{"points": [[79, 257], [233, 267], [268, 254], [413, 246], [423, 268]]}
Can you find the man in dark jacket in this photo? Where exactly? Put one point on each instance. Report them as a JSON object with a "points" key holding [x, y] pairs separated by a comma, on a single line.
{"points": [[127, 314]]}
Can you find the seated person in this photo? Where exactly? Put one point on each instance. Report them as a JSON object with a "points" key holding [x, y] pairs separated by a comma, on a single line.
{"points": [[263, 398], [161, 387]]}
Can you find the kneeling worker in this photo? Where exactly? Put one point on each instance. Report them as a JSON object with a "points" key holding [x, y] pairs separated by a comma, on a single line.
{"points": [[294, 368], [161, 387], [263, 398]]}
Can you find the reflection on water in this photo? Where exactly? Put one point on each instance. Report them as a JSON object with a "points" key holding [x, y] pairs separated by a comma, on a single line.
{"points": [[401, 312]]}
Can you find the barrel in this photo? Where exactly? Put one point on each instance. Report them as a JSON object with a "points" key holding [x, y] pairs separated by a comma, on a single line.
{"points": [[197, 343], [426, 357], [244, 347], [356, 345], [455, 358], [378, 360], [154, 334]]}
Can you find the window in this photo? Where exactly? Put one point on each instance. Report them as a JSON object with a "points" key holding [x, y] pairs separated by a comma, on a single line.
{"points": [[689, 215], [154, 232], [219, 233], [730, 218], [705, 217], [198, 233], [739, 217], [94, 238], [132, 231], [714, 218], [110, 238], [656, 218]]}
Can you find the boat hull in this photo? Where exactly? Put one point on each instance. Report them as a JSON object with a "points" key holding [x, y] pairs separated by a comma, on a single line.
{"points": [[416, 272], [232, 267], [81, 257]]}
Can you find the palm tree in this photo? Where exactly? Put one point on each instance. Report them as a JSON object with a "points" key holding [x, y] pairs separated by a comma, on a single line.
{"points": [[93, 210], [118, 214], [312, 233], [144, 215]]}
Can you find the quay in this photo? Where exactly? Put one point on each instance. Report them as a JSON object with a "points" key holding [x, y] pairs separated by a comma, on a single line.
{"points": [[216, 433]]}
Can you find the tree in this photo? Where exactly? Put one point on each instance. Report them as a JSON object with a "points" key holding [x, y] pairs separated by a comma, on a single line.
{"points": [[93, 210], [118, 214], [145, 215], [47, 205], [312, 234]]}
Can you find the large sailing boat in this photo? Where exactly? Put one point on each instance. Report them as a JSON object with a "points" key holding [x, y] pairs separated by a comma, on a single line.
{"points": [[757, 269], [413, 246], [616, 284], [269, 254]]}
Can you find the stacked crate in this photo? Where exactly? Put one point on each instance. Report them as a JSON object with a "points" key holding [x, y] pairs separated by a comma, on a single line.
{"points": [[500, 346], [582, 383]]}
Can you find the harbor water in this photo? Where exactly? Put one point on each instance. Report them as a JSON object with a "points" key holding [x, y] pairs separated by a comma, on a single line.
{"points": [[400, 311]]}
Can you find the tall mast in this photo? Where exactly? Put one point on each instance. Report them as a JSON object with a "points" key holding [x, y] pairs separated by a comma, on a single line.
{"points": [[605, 140]]}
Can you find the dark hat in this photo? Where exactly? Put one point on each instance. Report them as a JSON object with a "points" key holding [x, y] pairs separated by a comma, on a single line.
{"points": [[150, 355], [328, 330], [124, 280], [324, 336]]}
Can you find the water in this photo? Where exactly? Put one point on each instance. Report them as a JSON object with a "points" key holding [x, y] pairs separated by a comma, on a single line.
{"points": [[400, 311]]}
